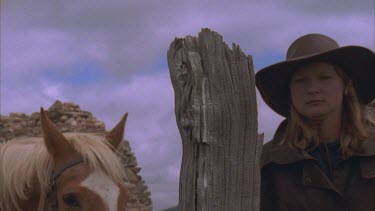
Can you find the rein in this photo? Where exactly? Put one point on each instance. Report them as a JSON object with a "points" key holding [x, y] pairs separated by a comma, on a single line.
{"points": [[52, 192]]}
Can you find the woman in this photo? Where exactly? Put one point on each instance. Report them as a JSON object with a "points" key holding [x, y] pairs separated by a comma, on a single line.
{"points": [[322, 156]]}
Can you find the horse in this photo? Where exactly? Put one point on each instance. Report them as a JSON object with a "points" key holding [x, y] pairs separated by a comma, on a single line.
{"points": [[56, 172]]}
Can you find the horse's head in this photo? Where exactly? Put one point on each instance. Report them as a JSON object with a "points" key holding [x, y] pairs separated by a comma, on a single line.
{"points": [[86, 172]]}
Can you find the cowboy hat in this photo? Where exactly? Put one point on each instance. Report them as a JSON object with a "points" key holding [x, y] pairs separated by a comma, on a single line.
{"points": [[356, 61]]}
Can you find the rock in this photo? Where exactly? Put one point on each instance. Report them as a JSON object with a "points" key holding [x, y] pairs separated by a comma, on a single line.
{"points": [[135, 169], [17, 115], [4, 118], [63, 118], [72, 122], [131, 176], [35, 115], [56, 106]]}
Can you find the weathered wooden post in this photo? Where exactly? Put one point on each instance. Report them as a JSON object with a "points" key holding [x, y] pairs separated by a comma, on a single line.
{"points": [[216, 113]]}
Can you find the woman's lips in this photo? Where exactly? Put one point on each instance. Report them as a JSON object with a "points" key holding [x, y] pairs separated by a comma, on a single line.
{"points": [[314, 102]]}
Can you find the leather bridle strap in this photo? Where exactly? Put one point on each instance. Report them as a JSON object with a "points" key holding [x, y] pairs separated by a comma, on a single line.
{"points": [[52, 193]]}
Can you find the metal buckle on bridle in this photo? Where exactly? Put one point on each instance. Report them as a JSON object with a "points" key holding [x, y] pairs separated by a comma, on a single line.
{"points": [[53, 195], [52, 192]]}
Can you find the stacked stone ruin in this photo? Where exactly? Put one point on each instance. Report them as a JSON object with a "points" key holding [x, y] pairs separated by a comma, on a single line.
{"points": [[68, 117]]}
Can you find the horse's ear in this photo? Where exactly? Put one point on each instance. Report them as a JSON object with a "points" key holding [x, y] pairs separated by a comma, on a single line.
{"points": [[55, 142], [116, 135]]}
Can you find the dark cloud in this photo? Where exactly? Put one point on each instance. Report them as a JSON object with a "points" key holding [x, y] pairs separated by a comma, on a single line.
{"points": [[126, 36], [330, 8]]}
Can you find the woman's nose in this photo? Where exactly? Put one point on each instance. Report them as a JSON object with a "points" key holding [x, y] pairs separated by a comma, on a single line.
{"points": [[312, 87]]}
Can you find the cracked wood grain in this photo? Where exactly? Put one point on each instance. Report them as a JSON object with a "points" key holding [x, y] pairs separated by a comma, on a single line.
{"points": [[216, 114]]}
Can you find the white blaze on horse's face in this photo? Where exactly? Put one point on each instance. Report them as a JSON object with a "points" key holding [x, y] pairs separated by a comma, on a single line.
{"points": [[105, 187]]}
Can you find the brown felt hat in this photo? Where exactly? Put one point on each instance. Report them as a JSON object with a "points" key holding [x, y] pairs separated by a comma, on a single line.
{"points": [[356, 61]]}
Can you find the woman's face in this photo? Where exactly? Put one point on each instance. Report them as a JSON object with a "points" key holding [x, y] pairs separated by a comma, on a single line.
{"points": [[317, 91]]}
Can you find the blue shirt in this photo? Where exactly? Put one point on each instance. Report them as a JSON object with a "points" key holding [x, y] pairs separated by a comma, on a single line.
{"points": [[328, 160]]}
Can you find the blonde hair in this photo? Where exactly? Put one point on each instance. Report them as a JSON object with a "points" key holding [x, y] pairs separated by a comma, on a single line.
{"points": [[26, 165], [301, 134]]}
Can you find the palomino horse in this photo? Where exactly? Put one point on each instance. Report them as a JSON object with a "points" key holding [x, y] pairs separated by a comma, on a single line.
{"points": [[59, 172]]}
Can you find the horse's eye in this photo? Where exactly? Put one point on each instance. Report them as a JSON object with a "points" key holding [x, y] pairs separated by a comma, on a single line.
{"points": [[71, 200]]}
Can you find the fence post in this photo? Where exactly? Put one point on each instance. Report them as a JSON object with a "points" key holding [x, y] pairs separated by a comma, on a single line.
{"points": [[216, 114]]}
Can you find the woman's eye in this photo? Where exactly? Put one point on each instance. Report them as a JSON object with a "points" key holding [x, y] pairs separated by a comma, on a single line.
{"points": [[325, 77], [71, 200], [299, 80]]}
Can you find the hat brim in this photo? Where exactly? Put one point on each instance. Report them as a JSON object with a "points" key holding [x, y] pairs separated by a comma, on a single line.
{"points": [[356, 61]]}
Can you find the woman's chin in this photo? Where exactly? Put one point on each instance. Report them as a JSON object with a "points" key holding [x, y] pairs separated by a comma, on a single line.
{"points": [[316, 115]]}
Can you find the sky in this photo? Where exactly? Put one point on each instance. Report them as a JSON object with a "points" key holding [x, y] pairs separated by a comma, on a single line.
{"points": [[110, 57]]}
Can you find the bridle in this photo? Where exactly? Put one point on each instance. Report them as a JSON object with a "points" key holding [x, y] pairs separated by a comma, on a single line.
{"points": [[52, 192]]}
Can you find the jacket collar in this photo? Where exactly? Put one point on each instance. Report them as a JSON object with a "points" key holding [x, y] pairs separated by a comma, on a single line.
{"points": [[367, 161], [368, 146], [282, 154], [273, 152]]}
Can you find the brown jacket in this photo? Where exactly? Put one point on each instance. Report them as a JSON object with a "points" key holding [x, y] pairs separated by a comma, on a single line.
{"points": [[292, 180]]}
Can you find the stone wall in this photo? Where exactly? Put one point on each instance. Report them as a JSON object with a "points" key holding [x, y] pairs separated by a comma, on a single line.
{"points": [[68, 117]]}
